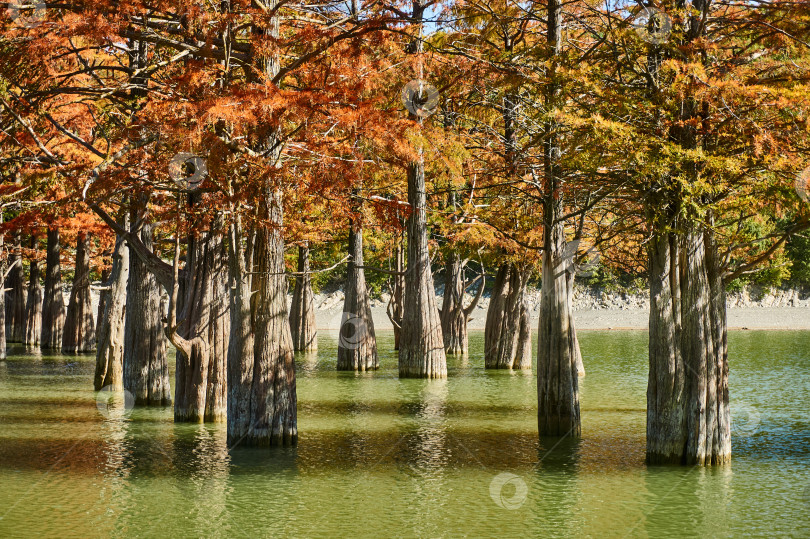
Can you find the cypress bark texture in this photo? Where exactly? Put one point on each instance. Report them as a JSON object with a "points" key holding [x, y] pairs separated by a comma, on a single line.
{"points": [[688, 418], [357, 342], [15, 294], [103, 297], [53, 303], [201, 367], [110, 351], [32, 326], [241, 348], [523, 358], [273, 400], [80, 332], [396, 305], [557, 376], [503, 347], [454, 315], [421, 347], [302, 310], [146, 372]]}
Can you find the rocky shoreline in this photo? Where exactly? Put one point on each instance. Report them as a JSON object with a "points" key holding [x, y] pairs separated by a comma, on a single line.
{"points": [[596, 308]]}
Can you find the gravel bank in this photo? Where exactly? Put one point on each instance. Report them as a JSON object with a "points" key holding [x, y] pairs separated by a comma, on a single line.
{"points": [[599, 309]]}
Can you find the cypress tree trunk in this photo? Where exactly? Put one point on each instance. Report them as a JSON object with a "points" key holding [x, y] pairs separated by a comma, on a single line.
{"points": [[273, 400], [688, 420], [453, 317], [397, 303], [201, 367], [357, 342], [502, 336], [557, 377], [103, 297], [421, 347], [53, 303], [523, 359], [32, 326], [716, 448], [146, 372], [262, 401], [302, 310], [15, 295], [241, 346], [80, 332], [666, 418], [110, 351], [558, 411]]}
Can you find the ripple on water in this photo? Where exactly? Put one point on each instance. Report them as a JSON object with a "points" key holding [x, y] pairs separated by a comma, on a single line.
{"points": [[383, 456]]}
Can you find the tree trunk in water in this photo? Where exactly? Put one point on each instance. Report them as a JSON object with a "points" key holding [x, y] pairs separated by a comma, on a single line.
{"points": [[558, 411], [557, 376], [33, 303], [302, 311], [421, 347], [397, 303], [53, 303], [262, 400], [80, 332], [688, 419], [523, 360], [146, 372], [241, 346], [502, 332], [273, 401], [15, 297], [453, 316], [357, 342], [103, 297], [201, 371], [110, 351], [580, 363]]}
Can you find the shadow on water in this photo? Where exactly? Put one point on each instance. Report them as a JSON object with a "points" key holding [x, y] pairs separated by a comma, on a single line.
{"points": [[382, 456], [690, 502], [555, 477]]}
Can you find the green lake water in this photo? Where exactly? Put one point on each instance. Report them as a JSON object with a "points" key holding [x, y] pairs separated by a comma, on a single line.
{"points": [[379, 456]]}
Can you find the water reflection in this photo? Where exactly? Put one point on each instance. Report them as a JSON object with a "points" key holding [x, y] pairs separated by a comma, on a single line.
{"points": [[694, 505], [306, 363], [262, 492], [427, 455], [556, 494], [384, 456], [430, 453], [202, 467]]}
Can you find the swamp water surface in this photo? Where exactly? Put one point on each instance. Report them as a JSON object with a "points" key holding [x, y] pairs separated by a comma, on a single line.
{"points": [[379, 456]]}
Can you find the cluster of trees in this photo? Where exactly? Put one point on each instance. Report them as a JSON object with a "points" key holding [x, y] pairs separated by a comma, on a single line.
{"points": [[188, 146]]}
